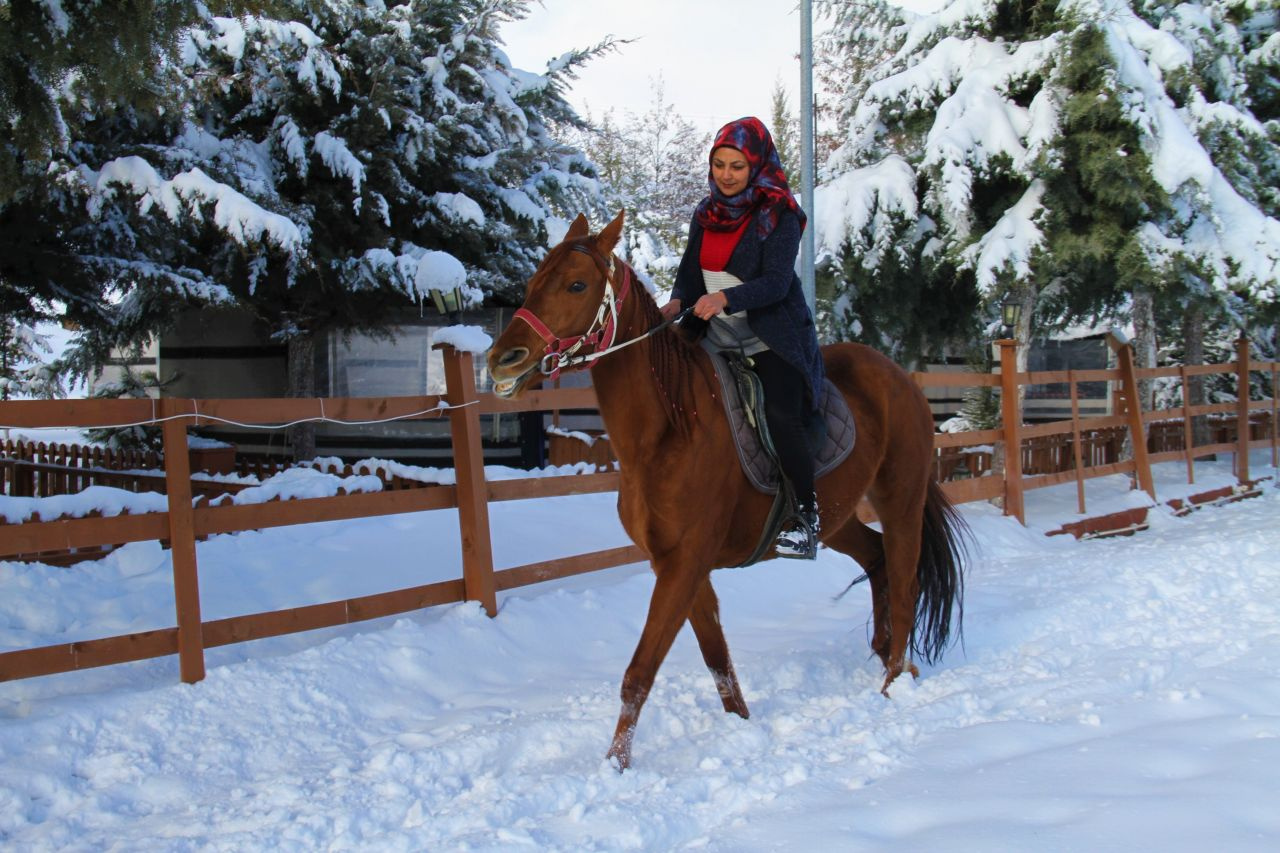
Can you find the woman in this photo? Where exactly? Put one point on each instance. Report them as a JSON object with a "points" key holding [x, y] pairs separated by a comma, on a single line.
{"points": [[738, 272]]}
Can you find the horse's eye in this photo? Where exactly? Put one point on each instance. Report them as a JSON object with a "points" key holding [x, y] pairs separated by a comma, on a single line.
{"points": [[577, 287]]}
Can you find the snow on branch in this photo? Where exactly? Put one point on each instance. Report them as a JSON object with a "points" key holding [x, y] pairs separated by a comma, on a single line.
{"points": [[1008, 246], [854, 205], [1231, 239], [186, 195], [341, 163]]}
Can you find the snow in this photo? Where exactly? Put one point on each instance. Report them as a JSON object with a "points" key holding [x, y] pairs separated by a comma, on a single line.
{"points": [[235, 214], [472, 339], [519, 203], [57, 15], [335, 154], [857, 204], [1110, 694], [460, 208], [1010, 243], [439, 271]]}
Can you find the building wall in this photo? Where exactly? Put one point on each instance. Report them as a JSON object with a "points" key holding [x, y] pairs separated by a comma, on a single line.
{"points": [[218, 353], [224, 353], [1042, 402]]}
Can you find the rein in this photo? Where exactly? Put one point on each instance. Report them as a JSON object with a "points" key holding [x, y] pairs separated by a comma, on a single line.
{"points": [[562, 353]]}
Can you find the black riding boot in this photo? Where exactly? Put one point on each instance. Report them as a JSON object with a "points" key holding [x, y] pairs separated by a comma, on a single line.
{"points": [[787, 411]]}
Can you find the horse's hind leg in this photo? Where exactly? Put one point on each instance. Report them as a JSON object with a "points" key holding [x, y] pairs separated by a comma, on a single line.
{"points": [[670, 605], [705, 619], [902, 560], [866, 546]]}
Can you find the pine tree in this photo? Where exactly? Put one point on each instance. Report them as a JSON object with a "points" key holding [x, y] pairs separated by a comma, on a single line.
{"points": [[1068, 153], [785, 128], [314, 162], [24, 371], [66, 67], [653, 165]]}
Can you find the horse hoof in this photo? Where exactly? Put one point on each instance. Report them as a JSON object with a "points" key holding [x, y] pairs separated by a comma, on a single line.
{"points": [[915, 673], [736, 705], [889, 679], [620, 759]]}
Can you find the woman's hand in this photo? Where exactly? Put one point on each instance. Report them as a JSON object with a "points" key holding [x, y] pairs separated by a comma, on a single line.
{"points": [[671, 309], [710, 305]]}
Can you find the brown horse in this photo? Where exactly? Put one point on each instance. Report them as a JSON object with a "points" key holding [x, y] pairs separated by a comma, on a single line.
{"points": [[683, 497]]}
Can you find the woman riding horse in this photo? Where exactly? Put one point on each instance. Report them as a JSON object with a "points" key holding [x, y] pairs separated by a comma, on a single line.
{"points": [[684, 499]]}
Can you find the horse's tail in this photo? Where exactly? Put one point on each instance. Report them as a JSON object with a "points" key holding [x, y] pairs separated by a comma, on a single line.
{"points": [[943, 548]]}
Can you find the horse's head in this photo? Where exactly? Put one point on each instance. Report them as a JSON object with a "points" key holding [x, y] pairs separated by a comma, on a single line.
{"points": [[569, 306]]}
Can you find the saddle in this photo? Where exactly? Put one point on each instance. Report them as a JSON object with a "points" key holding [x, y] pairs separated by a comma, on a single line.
{"points": [[743, 398], [750, 432]]}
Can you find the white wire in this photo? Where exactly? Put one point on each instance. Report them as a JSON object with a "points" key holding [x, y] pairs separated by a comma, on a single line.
{"points": [[440, 407]]}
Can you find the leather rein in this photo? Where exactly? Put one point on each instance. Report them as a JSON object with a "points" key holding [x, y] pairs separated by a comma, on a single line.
{"points": [[562, 353]]}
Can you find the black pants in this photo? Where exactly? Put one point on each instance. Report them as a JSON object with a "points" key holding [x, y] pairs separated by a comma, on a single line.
{"points": [[786, 400]]}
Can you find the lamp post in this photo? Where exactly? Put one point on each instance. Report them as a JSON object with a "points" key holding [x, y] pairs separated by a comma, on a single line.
{"points": [[448, 302], [1011, 410], [807, 246]]}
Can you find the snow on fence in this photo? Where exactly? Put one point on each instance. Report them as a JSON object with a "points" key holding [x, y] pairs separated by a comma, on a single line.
{"points": [[182, 523]]}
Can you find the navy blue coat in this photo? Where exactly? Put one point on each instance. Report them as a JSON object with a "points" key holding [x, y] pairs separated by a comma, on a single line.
{"points": [[770, 293]]}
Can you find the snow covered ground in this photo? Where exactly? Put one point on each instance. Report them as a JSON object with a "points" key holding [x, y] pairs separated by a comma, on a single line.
{"points": [[1109, 695]]}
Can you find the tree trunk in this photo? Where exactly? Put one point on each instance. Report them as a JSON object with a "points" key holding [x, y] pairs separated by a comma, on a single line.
{"points": [[302, 384], [1193, 353], [1144, 343]]}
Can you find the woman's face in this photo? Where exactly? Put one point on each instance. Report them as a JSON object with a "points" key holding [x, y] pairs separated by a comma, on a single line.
{"points": [[729, 170]]}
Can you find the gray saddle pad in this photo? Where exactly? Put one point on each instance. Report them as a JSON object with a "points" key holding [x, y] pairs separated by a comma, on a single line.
{"points": [[756, 464]]}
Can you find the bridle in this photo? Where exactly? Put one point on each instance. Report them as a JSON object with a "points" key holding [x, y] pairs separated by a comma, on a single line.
{"points": [[562, 353]]}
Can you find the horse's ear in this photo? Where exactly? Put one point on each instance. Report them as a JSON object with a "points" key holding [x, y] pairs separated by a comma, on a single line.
{"points": [[609, 235], [579, 228]]}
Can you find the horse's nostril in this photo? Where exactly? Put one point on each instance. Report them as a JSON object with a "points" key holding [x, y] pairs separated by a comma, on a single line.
{"points": [[512, 356]]}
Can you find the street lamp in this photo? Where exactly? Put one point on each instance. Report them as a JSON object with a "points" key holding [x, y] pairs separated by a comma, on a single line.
{"points": [[1010, 312], [448, 302]]}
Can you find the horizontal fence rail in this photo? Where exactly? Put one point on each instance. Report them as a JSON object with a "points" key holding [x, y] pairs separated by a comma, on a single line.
{"points": [[974, 465]]}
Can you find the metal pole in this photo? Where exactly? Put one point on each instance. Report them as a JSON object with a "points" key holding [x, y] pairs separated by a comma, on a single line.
{"points": [[807, 153]]}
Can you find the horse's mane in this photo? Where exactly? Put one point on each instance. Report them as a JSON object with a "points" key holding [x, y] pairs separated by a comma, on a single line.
{"points": [[671, 356]]}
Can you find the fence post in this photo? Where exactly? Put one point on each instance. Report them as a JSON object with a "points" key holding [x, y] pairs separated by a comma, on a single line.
{"points": [[468, 466], [1133, 408], [182, 542], [1188, 432], [1078, 451], [1011, 415], [1242, 408]]}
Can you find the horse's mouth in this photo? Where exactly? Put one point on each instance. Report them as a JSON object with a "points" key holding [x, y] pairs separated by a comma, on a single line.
{"points": [[508, 388]]}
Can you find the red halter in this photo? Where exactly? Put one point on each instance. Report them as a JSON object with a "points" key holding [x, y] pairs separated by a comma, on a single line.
{"points": [[561, 352]]}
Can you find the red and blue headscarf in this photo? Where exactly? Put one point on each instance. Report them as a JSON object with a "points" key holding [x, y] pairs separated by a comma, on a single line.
{"points": [[767, 193]]}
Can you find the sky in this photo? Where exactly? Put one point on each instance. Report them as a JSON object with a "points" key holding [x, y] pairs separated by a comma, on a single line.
{"points": [[1110, 695], [719, 60]]}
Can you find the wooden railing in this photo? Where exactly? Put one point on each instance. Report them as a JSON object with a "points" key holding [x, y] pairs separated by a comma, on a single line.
{"points": [[183, 524], [1094, 442]]}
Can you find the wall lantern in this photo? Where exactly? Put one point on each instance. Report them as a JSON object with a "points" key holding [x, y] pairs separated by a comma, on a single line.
{"points": [[448, 302], [1010, 313]]}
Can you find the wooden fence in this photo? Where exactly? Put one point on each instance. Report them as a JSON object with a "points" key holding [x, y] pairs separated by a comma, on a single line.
{"points": [[183, 524]]}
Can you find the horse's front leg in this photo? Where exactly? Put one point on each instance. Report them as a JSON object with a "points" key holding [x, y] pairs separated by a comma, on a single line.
{"points": [[669, 606], [705, 619]]}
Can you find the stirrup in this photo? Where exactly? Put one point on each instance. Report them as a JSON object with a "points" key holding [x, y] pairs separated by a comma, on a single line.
{"points": [[799, 539]]}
